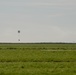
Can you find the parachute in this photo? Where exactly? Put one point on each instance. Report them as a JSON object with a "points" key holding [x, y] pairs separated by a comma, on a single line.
{"points": [[19, 35]]}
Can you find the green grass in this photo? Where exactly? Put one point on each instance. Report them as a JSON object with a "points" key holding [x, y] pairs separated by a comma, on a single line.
{"points": [[37, 59], [37, 56], [38, 68]]}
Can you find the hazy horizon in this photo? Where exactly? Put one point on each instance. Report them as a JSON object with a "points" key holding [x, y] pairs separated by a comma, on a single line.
{"points": [[38, 20]]}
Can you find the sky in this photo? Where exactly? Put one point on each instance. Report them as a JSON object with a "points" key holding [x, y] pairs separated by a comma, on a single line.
{"points": [[38, 20]]}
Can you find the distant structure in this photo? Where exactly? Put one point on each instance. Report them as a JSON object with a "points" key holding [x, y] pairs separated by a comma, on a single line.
{"points": [[19, 35]]}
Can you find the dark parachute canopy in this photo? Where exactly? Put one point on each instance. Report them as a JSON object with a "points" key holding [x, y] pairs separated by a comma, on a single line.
{"points": [[18, 31]]}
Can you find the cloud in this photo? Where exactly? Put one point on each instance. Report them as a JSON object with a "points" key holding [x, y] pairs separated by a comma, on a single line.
{"points": [[38, 3], [56, 15], [42, 20]]}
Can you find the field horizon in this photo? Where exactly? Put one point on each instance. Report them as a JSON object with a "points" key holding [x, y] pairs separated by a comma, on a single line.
{"points": [[37, 59]]}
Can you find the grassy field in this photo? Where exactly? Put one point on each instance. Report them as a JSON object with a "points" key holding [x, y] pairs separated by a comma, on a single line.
{"points": [[37, 59]]}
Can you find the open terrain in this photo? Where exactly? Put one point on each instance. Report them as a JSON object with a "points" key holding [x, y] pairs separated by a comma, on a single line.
{"points": [[38, 59]]}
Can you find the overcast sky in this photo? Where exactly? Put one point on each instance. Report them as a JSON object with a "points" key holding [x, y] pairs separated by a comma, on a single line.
{"points": [[38, 20]]}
